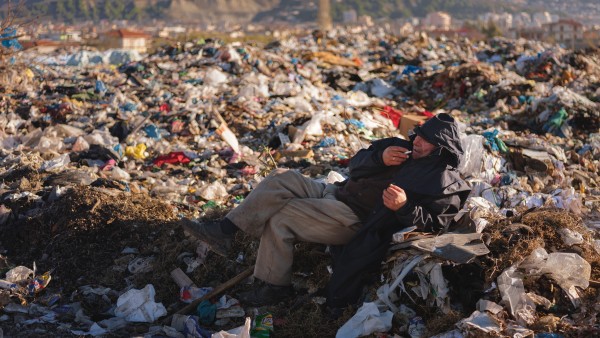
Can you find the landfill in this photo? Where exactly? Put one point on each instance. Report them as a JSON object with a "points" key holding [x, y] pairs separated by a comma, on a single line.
{"points": [[102, 154]]}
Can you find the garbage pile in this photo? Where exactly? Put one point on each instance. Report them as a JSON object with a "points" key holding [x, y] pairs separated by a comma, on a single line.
{"points": [[99, 162]]}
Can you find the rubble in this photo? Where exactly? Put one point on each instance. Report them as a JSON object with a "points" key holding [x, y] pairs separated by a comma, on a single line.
{"points": [[99, 162]]}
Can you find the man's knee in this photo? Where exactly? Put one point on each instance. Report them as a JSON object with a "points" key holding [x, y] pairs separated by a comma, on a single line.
{"points": [[279, 171], [283, 175]]}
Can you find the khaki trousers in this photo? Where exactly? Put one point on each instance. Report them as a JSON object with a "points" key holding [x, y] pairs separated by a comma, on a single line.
{"points": [[287, 207]]}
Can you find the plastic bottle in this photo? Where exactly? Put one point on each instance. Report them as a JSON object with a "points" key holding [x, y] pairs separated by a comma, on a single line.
{"points": [[7, 285]]}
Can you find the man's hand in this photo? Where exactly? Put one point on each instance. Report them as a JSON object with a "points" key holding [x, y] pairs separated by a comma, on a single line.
{"points": [[394, 197], [394, 155]]}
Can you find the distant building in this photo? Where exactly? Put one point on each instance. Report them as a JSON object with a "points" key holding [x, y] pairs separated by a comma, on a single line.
{"points": [[438, 20], [591, 38], [174, 31], [566, 32], [541, 18], [521, 20], [502, 20], [349, 16], [528, 33], [47, 46], [126, 39], [65, 35], [469, 33], [365, 20]]}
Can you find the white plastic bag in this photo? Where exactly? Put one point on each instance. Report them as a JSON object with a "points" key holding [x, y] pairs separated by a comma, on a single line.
{"points": [[510, 284], [139, 305], [240, 332], [18, 274], [471, 163], [570, 237], [368, 319], [213, 192], [215, 78]]}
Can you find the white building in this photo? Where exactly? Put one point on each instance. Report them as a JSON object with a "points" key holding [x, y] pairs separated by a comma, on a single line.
{"points": [[172, 31], [541, 18], [126, 39], [502, 20], [566, 32], [438, 20], [521, 20]]}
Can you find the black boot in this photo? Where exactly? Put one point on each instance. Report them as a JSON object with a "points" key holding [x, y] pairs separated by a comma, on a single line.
{"points": [[211, 233], [268, 294]]}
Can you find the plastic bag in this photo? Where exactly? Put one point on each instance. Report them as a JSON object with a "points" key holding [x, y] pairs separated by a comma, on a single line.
{"points": [[570, 237], [139, 306], [510, 284], [368, 319], [239, 332], [471, 162], [57, 163], [215, 78], [213, 191]]}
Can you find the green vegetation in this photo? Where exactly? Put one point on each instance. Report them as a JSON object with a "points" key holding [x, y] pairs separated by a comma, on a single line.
{"points": [[82, 10]]}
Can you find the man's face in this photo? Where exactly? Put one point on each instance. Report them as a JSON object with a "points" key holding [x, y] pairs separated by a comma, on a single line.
{"points": [[421, 148]]}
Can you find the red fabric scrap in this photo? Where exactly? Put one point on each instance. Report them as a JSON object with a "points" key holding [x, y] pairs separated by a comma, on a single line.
{"points": [[165, 108], [427, 113], [176, 157], [392, 114]]}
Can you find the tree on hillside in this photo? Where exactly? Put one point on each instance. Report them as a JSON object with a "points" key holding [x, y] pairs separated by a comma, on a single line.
{"points": [[9, 24], [84, 9], [491, 30], [114, 9], [13, 16]]}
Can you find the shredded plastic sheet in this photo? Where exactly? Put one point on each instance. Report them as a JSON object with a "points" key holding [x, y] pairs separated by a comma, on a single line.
{"points": [[569, 270], [368, 319], [408, 267], [480, 321], [510, 284]]}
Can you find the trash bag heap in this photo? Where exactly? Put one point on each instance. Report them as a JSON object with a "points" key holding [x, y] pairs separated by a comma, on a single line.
{"points": [[103, 153]]}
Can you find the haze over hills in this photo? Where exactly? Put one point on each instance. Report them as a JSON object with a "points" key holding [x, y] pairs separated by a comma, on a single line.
{"points": [[240, 11]]}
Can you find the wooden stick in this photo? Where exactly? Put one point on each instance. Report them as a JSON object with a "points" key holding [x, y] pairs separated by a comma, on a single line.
{"points": [[594, 284], [219, 289], [95, 206]]}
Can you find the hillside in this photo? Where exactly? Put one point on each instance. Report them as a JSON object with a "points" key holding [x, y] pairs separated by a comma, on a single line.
{"points": [[177, 10], [216, 11]]}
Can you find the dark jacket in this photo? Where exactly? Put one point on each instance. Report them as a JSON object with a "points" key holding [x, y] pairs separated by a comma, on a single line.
{"points": [[435, 193], [369, 176]]}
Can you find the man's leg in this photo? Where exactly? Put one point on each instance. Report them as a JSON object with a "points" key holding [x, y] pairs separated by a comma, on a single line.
{"points": [[324, 221], [317, 220], [270, 196]]}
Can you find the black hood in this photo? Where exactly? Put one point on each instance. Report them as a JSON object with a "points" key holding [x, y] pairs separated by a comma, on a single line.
{"points": [[442, 131]]}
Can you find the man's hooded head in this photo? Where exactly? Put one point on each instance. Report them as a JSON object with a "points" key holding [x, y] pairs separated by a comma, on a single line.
{"points": [[442, 131]]}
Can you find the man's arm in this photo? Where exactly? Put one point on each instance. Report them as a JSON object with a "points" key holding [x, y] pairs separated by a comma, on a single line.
{"points": [[371, 161]]}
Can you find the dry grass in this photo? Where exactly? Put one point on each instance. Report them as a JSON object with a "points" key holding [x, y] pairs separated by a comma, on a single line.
{"points": [[511, 247]]}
